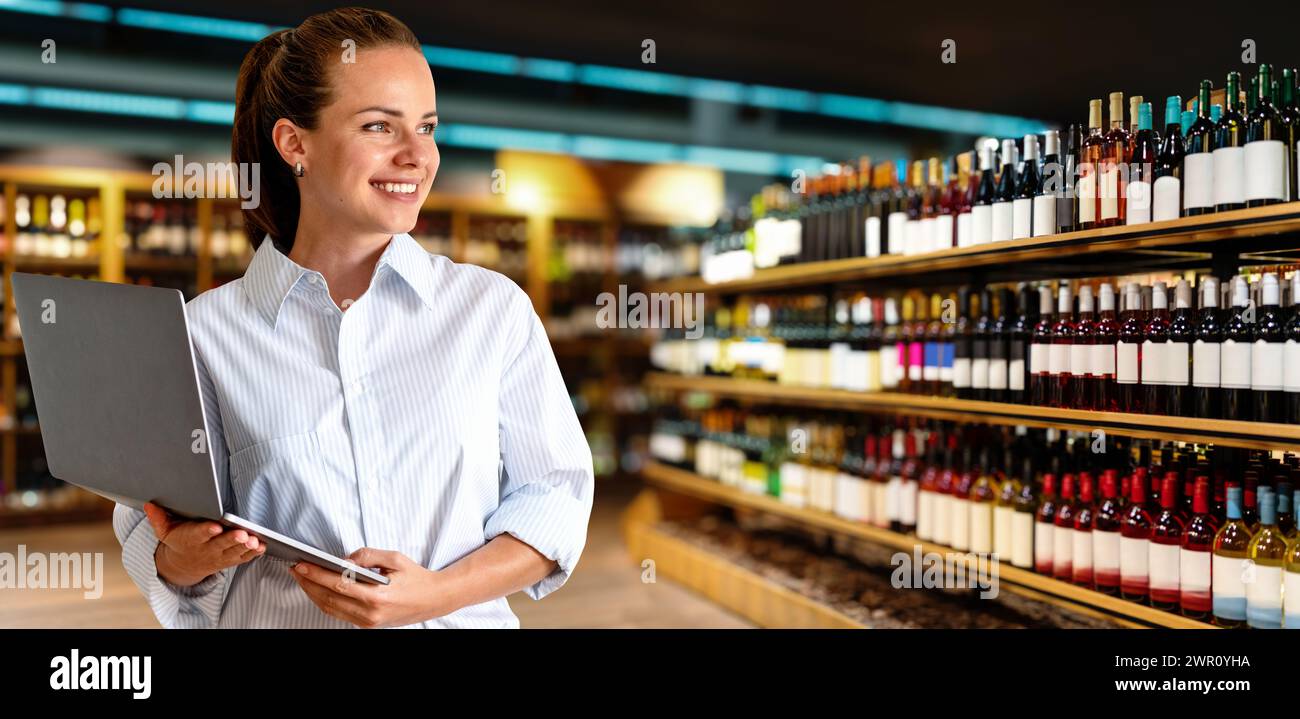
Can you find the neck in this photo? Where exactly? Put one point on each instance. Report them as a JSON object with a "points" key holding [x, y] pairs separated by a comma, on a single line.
{"points": [[346, 261]]}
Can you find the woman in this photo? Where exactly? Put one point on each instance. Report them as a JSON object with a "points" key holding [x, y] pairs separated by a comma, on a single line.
{"points": [[362, 395]]}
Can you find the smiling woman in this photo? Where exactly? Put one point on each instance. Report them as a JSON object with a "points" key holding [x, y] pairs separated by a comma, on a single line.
{"points": [[361, 394]]}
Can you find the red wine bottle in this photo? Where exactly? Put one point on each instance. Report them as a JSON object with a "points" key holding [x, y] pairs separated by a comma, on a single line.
{"points": [[1059, 356], [1128, 351], [1004, 203], [1045, 526], [1022, 208], [1081, 554], [1178, 354], [1235, 355], [1018, 348], [1265, 155], [961, 356], [1083, 376], [1206, 393], [1154, 345], [1289, 115], [1142, 162], [1198, 163], [1105, 397], [1063, 537], [1040, 384], [1134, 543], [1229, 151], [1267, 356], [985, 196], [1291, 357], [1166, 542], [1106, 535], [1167, 191], [1000, 345], [1195, 557], [1065, 183]]}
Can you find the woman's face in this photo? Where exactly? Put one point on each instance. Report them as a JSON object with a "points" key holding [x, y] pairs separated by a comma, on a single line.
{"points": [[372, 157]]}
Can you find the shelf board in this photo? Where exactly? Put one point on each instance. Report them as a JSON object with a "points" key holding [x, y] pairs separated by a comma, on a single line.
{"points": [[56, 264], [1251, 435], [1033, 584], [160, 263], [1202, 233]]}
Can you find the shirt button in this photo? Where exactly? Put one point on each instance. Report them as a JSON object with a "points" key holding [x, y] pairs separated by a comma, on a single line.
{"points": [[358, 387], [313, 279]]}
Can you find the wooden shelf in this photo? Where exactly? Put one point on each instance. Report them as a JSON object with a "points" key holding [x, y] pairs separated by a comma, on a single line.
{"points": [[160, 263], [56, 264], [1202, 233], [1251, 435], [1016, 579]]}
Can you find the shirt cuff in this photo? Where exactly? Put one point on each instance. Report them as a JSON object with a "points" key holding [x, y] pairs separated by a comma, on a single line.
{"points": [[198, 606], [549, 520]]}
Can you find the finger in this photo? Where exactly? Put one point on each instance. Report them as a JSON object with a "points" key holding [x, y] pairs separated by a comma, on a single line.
{"points": [[332, 603], [329, 579], [236, 539], [158, 519], [370, 557], [252, 554]]}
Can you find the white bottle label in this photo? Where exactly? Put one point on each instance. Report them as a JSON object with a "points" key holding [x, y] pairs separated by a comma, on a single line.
{"points": [[997, 374], [1044, 210], [1194, 571], [1086, 189], [1081, 360], [1228, 579], [1139, 203], [1205, 364], [961, 372], [1234, 364], [979, 373], [873, 237], [1105, 551], [981, 224], [1166, 200], [1265, 170], [1081, 553], [1291, 370], [1043, 533], [960, 514], [1002, 531], [965, 230], [1022, 539], [1038, 361], [912, 237], [1062, 547], [1266, 366], [1133, 559], [942, 232], [1003, 219], [1126, 363], [1108, 193], [1291, 597], [897, 224], [1177, 368], [925, 236], [924, 515], [907, 502], [1016, 375], [1022, 220], [1229, 171], [1103, 360], [981, 527], [1264, 596], [1153, 362], [1058, 359], [1198, 180], [1163, 565]]}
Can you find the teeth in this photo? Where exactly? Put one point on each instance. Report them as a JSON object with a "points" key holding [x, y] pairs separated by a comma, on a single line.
{"points": [[404, 188]]}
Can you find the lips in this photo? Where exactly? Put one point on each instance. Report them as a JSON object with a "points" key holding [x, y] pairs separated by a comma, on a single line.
{"points": [[397, 188]]}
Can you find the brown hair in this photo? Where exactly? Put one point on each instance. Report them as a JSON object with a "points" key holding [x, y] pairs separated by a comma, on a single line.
{"points": [[286, 75]]}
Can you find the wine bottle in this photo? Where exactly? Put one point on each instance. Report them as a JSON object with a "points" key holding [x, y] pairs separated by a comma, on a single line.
{"points": [[1229, 151], [889, 347], [1050, 185], [1066, 187], [1023, 518], [1291, 356], [1167, 191], [908, 378], [1289, 115], [983, 493], [944, 200], [1230, 564], [1040, 383], [930, 345], [1166, 541], [1000, 345], [959, 505], [1194, 559], [1022, 224], [915, 197], [1268, 354], [1128, 351], [1154, 345], [1198, 163], [962, 347], [1111, 193], [1063, 536], [877, 201], [1004, 201], [1235, 355], [1093, 154], [1004, 511], [1142, 163], [1105, 336], [1134, 543], [985, 197], [1206, 393], [896, 218], [1045, 527], [980, 336], [1106, 535], [1018, 349], [941, 511], [1178, 353], [1083, 375], [1081, 553], [1268, 553], [1265, 155], [1061, 350], [965, 197]]}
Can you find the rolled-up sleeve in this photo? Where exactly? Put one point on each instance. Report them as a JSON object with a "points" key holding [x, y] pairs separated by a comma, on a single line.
{"points": [[548, 482], [198, 606]]}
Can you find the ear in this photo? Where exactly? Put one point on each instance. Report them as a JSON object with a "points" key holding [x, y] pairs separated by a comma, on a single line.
{"points": [[290, 142]]}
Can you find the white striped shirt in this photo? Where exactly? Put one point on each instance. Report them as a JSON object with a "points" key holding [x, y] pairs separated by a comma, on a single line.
{"points": [[427, 419]]}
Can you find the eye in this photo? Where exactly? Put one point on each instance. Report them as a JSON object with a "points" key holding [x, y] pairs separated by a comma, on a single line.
{"points": [[378, 125], [428, 128]]}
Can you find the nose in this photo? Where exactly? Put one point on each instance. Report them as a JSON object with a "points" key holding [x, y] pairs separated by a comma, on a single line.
{"points": [[417, 152]]}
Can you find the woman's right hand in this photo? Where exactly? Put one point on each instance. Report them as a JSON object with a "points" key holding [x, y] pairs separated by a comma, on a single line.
{"points": [[190, 551]]}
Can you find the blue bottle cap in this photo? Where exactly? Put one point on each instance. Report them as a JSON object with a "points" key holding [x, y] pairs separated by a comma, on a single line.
{"points": [[1144, 116], [1267, 506], [1187, 119], [1216, 111], [1234, 503], [1173, 110]]}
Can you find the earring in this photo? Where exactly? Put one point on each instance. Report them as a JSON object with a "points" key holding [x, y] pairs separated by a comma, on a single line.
{"points": [[298, 170]]}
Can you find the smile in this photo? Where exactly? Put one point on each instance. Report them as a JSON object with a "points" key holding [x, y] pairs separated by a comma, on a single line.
{"points": [[398, 188]]}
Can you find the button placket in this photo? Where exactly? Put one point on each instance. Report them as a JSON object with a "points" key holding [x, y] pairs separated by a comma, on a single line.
{"points": [[358, 422]]}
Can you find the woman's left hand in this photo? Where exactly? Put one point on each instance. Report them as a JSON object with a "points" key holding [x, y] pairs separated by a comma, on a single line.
{"points": [[414, 593]]}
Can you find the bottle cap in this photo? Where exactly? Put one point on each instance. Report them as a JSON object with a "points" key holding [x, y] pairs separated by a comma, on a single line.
{"points": [[1051, 143], [1085, 299], [1107, 297], [1158, 299], [1144, 116], [1271, 292], [1209, 291], [1064, 300], [1186, 120], [1182, 295], [1173, 110], [1031, 148], [1009, 152]]}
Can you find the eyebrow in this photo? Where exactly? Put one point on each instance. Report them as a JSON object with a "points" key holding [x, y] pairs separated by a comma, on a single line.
{"points": [[398, 113]]}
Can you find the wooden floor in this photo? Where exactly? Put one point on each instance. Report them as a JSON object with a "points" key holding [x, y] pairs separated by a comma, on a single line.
{"points": [[605, 591]]}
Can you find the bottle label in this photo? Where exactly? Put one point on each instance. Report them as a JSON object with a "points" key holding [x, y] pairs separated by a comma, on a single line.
{"points": [[1264, 597], [979, 373], [1043, 533], [946, 350], [907, 502], [1105, 552], [1178, 367], [924, 515], [1081, 553], [893, 499], [1058, 359], [931, 372], [1081, 360], [965, 230], [1139, 203], [1193, 571], [981, 224], [873, 371], [960, 523], [1265, 170], [1205, 364], [896, 232], [1103, 360], [1086, 189], [1044, 212], [1003, 221], [1234, 364], [1126, 363], [1153, 362], [912, 237], [1198, 180], [942, 232], [1163, 565], [981, 527], [1228, 578], [1062, 547], [1016, 375], [961, 372], [1291, 595], [915, 360], [1166, 194], [998, 374], [925, 236], [873, 236], [1108, 193], [1229, 171], [888, 367], [1002, 531], [1133, 560], [1022, 218], [1266, 366], [1022, 539], [1291, 369], [1038, 361]]}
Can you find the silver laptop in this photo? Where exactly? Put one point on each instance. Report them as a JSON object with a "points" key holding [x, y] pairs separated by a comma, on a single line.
{"points": [[117, 393]]}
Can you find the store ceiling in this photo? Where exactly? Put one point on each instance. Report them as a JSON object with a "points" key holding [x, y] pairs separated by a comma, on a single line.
{"points": [[1043, 60]]}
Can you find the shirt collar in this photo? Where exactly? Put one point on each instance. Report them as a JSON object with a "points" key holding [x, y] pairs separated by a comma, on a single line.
{"points": [[271, 275]]}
